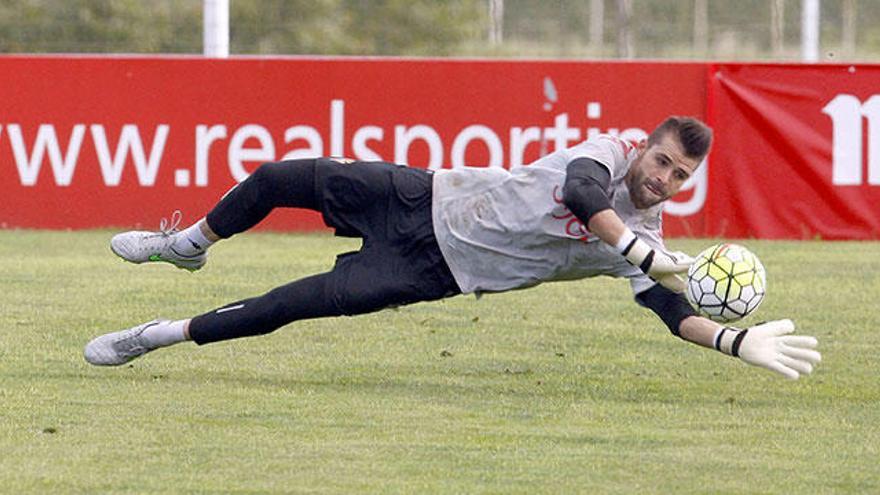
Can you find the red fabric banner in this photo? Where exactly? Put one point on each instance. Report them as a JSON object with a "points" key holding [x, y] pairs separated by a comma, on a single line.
{"points": [[122, 141], [797, 151]]}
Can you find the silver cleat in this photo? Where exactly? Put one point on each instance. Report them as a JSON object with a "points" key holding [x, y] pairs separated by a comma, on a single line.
{"points": [[113, 349], [139, 246]]}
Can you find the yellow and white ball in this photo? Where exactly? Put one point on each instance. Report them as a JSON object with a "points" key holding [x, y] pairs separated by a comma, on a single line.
{"points": [[727, 282]]}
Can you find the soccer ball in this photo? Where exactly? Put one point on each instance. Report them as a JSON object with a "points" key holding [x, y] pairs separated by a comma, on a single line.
{"points": [[726, 283]]}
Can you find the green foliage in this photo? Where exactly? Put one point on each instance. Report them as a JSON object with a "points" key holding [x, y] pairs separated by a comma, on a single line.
{"points": [[376, 27], [406, 27], [565, 388], [160, 26], [353, 27], [553, 28]]}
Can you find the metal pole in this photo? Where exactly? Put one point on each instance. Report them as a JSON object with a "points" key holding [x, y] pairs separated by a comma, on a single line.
{"points": [[701, 27], [810, 30], [624, 33], [597, 24], [848, 37], [496, 22], [777, 27], [216, 33]]}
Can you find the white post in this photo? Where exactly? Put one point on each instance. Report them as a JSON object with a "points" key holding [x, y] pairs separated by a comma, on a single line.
{"points": [[496, 22], [215, 15], [597, 24], [848, 36], [624, 33], [777, 27], [701, 27], [810, 30]]}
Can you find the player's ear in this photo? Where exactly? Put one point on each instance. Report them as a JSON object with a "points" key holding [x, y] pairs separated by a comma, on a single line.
{"points": [[642, 145]]}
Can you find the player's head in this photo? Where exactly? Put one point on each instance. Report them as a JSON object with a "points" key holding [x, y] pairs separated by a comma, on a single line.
{"points": [[671, 154]]}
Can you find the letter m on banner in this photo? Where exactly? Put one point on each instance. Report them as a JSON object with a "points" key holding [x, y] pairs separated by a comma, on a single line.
{"points": [[847, 114]]}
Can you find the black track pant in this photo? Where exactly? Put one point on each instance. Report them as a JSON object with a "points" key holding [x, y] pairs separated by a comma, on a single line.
{"points": [[389, 206]]}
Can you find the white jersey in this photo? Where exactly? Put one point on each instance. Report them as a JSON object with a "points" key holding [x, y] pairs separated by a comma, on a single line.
{"points": [[500, 230]]}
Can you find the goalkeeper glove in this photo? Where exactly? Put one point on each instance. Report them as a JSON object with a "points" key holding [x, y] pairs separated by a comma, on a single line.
{"points": [[664, 268], [768, 345]]}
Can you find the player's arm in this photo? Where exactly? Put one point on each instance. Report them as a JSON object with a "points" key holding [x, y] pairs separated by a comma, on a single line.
{"points": [[767, 345], [586, 194], [586, 191]]}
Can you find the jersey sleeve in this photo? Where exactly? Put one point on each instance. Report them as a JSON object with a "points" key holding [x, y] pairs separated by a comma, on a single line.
{"points": [[620, 268], [608, 150], [640, 283]]}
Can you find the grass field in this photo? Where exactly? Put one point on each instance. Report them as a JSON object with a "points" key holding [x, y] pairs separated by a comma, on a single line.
{"points": [[565, 388]]}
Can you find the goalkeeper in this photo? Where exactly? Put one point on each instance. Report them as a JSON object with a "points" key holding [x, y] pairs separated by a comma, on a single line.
{"points": [[589, 210]]}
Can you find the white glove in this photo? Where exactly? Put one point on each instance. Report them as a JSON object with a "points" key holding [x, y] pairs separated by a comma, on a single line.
{"points": [[665, 268], [768, 345]]}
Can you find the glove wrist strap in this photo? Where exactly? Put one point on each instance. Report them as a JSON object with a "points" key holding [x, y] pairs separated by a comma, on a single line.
{"points": [[635, 250], [625, 242], [728, 339]]}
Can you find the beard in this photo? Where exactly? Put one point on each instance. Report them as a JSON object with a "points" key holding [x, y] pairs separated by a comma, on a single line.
{"points": [[646, 193]]}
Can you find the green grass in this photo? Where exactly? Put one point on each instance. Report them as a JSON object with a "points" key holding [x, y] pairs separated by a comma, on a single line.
{"points": [[569, 387]]}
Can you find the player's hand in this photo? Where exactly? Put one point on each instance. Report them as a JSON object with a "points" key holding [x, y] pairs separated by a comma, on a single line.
{"points": [[676, 282], [664, 267], [770, 346], [673, 282]]}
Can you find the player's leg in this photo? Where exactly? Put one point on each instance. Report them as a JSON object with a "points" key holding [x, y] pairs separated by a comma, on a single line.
{"points": [[400, 264], [288, 184], [362, 282], [344, 291], [359, 283], [303, 299], [282, 184]]}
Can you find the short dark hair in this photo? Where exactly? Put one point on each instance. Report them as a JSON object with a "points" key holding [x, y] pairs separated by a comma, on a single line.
{"points": [[695, 136]]}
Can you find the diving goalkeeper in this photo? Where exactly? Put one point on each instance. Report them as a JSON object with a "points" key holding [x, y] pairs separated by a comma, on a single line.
{"points": [[589, 210]]}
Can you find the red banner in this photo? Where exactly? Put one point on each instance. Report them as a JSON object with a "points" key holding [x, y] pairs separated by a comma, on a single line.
{"points": [[122, 141], [109, 141], [797, 151]]}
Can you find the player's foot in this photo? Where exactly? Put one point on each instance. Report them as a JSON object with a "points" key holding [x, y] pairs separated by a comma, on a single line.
{"points": [[139, 246], [113, 349]]}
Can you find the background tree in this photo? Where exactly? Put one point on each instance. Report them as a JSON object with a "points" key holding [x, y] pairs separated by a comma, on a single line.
{"points": [[714, 29]]}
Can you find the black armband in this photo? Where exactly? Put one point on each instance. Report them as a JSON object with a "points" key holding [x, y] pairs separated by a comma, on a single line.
{"points": [[671, 307], [584, 193]]}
